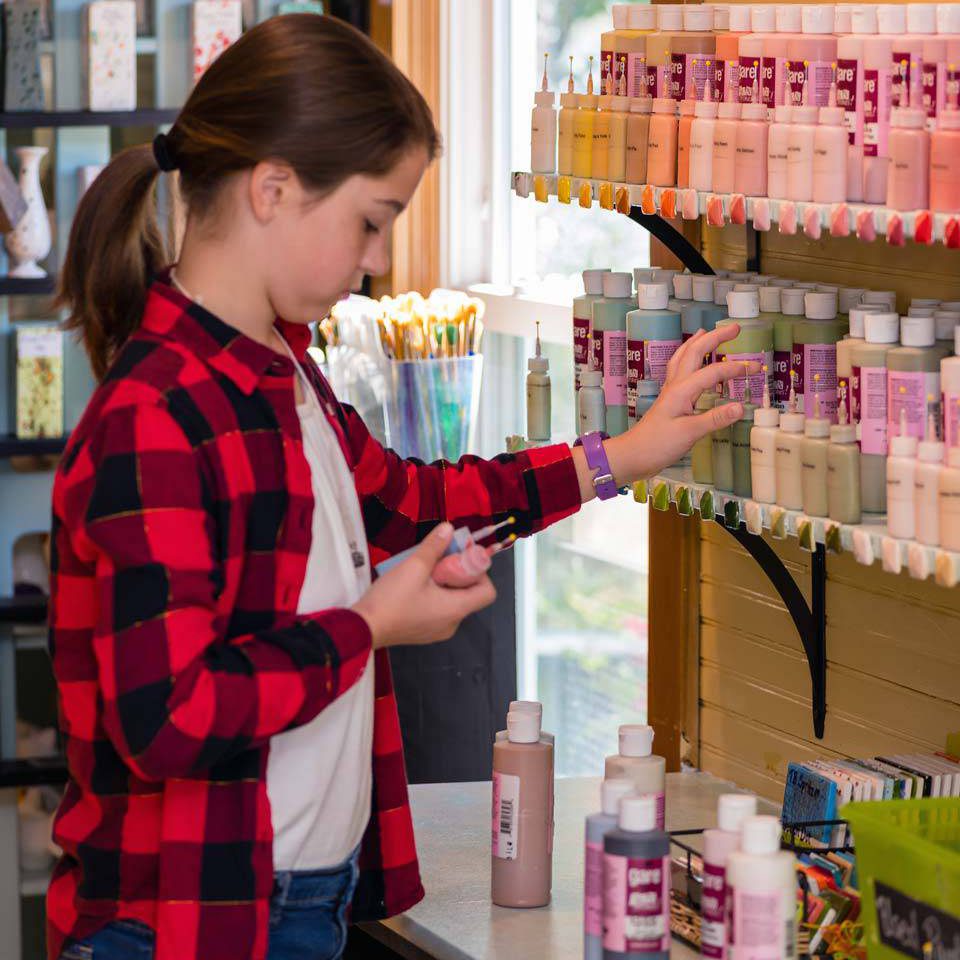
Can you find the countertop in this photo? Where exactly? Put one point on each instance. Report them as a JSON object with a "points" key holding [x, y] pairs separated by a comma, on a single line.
{"points": [[457, 921]]}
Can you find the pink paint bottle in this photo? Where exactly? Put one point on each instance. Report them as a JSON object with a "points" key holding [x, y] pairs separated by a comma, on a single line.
{"points": [[908, 183], [908, 51], [750, 176], [662, 143], [725, 143], [941, 56], [945, 162], [812, 54], [763, 22], [777, 147], [800, 137], [701, 142], [829, 153], [692, 53], [850, 94], [728, 53], [773, 63]]}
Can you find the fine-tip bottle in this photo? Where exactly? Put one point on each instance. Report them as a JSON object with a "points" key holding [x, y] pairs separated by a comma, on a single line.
{"points": [[543, 127], [926, 481], [830, 153], [788, 455], [636, 883], [843, 466], [636, 761], [908, 179], [701, 141], [815, 351], [638, 130], [800, 139], [617, 149], [591, 407], [538, 394], [762, 894], [609, 343], [701, 455], [602, 122], [813, 462], [725, 142], [598, 825], [569, 102], [740, 434], [722, 449], [583, 130], [777, 140], [583, 322], [522, 829], [750, 175], [718, 843], [763, 450], [662, 143], [950, 491], [653, 337], [901, 467]]}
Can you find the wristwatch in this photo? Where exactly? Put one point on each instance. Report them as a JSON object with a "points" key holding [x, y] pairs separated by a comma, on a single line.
{"points": [[603, 481]]}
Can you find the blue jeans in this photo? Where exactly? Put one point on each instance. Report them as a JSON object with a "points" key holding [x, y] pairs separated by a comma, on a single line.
{"points": [[308, 921]]}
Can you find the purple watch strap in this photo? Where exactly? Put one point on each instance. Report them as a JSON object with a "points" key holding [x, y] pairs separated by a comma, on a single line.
{"points": [[597, 461]]}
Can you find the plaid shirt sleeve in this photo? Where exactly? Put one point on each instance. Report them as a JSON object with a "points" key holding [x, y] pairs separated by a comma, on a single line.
{"points": [[178, 697]]}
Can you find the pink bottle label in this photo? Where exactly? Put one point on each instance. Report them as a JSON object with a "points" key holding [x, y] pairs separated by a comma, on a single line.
{"points": [[876, 112], [615, 368], [756, 380], [934, 79], [596, 351], [606, 68], [771, 83], [749, 73], [593, 891], [505, 819], [758, 928], [661, 810], [581, 345], [653, 81], [951, 419], [854, 394], [636, 75], [678, 76], [818, 74], [636, 916], [850, 97], [845, 398], [713, 902], [719, 75], [909, 391], [780, 388], [952, 88], [899, 78], [870, 398], [809, 361], [796, 78], [657, 354], [688, 75]]}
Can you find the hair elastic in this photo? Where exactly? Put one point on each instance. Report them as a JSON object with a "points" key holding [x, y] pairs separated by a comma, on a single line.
{"points": [[161, 153]]}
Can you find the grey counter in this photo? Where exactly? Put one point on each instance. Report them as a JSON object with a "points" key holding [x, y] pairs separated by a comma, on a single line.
{"points": [[457, 921]]}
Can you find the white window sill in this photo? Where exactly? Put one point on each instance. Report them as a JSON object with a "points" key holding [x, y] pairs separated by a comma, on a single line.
{"points": [[514, 313]]}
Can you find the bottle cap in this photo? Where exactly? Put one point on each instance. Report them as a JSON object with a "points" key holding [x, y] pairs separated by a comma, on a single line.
{"points": [[820, 305], [882, 327], [653, 296], [617, 286], [807, 285], [843, 433], [917, 331], [863, 18], [753, 111], [589, 101], [636, 740], [747, 288], [924, 302], [789, 18], [641, 105], [591, 378], [722, 274], [703, 288], [816, 428], [760, 836], [766, 417], [721, 287], [770, 299], [921, 311], [742, 277], [946, 322], [593, 281], [763, 18], [621, 16], [688, 107], [743, 304], [827, 288], [792, 301], [665, 275], [782, 282], [950, 305], [534, 707], [570, 100], [721, 17], [606, 102], [683, 286], [648, 388], [849, 297], [523, 727], [921, 18], [612, 791], [740, 18], [706, 108], [858, 315], [733, 809], [664, 104], [669, 17], [843, 20], [891, 18], [643, 16], [948, 18], [538, 365], [638, 814], [818, 18], [886, 298], [698, 16], [792, 422], [644, 275], [763, 279], [903, 446], [545, 98], [930, 451]]}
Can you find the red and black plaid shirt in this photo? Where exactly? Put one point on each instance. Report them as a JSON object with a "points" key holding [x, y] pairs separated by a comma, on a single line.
{"points": [[181, 530]]}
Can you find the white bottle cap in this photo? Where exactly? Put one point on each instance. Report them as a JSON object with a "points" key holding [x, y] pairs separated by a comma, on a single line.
{"points": [[782, 282], [930, 451], [688, 107], [740, 18], [832, 116], [721, 17], [612, 791], [946, 322], [638, 814], [644, 275], [664, 104], [948, 18], [721, 273], [820, 305], [792, 301], [698, 16], [921, 311], [858, 315], [924, 302], [792, 422], [789, 18], [743, 304], [533, 707], [843, 433], [807, 285], [707, 109], [818, 18], [683, 286], [703, 288], [843, 22], [653, 296], [665, 275], [863, 18], [849, 297], [886, 298], [747, 288], [816, 428], [760, 836], [882, 327], [669, 17], [763, 18], [950, 305], [921, 18], [721, 288], [593, 281], [917, 331], [908, 118], [827, 288], [523, 727], [766, 417], [545, 98], [763, 279], [903, 447], [783, 113], [641, 105], [636, 740], [617, 286], [621, 16], [891, 18], [648, 388], [734, 808], [745, 277], [570, 101], [643, 16], [770, 299]]}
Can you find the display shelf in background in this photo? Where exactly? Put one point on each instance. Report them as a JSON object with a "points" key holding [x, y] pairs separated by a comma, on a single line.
{"points": [[815, 220], [27, 287], [11, 446], [145, 117]]}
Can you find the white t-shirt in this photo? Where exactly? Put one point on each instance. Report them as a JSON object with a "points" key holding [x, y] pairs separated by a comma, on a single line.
{"points": [[319, 776]]}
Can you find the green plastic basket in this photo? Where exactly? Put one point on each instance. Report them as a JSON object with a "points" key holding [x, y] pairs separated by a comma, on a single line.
{"points": [[908, 861]]}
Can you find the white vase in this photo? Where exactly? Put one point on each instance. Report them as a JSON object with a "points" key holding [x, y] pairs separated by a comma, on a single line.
{"points": [[30, 240]]}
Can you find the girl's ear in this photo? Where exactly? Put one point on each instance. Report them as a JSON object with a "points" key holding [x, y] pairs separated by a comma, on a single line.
{"points": [[271, 184]]}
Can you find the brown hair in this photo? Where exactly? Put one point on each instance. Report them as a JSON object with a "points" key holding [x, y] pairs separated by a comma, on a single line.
{"points": [[308, 90]]}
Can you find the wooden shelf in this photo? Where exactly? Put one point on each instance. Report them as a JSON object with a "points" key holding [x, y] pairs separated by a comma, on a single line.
{"points": [[26, 609], [41, 447], [36, 772], [147, 117], [22, 287]]}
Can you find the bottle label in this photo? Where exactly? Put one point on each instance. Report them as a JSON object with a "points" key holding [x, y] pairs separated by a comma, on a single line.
{"points": [[656, 356], [615, 367], [713, 903], [764, 359], [749, 74], [678, 76], [664, 80], [593, 891], [771, 83], [951, 88], [762, 926], [661, 809], [596, 351], [636, 916], [845, 398], [621, 67], [951, 419], [934, 83], [876, 112], [809, 360], [689, 74], [850, 97], [581, 346], [719, 75], [506, 815], [796, 78], [870, 399], [653, 81], [606, 68], [780, 389], [636, 75], [909, 391], [815, 74], [899, 78], [635, 351]]}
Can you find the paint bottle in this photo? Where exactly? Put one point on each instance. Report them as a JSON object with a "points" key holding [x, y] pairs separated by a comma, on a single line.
{"points": [[763, 451], [591, 407], [543, 127], [617, 153], [813, 461], [750, 174], [583, 130], [722, 449], [845, 354], [521, 869], [692, 52], [631, 49], [647, 393], [608, 44], [773, 65], [728, 59], [602, 122], [718, 844], [662, 143], [850, 91], [814, 358], [908, 182], [684, 129], [777, 143], [637, 762], [665, 276], [927, 471], [800, 138], [908, 52], [701, 313], [638, 129], [913, 374], [701, 142], [945, 161], [843, 466], [949, 499], [788, 456], [950, 389], [701, 455], [869, 379], [811, 56], [538, 395], [749, 51], [772, 309], [884, 298], [653, 337], [683, 292], [901, 493], [762, 882], [598, 825], [753, 343], [659, 63], [636, 885], [533, 707], [725, 143], [569, 102], [829, 153], [609, 340], [946, 322], [740, 443], [940, 58], [583, 322]]}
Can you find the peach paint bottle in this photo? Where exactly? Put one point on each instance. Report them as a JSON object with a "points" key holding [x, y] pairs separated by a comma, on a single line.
{"points": [[684, 126], [725, 143], [908, 183], [630, 53], [608, 45], [773, 64], [659, 63], [638, 130], [850, 93], [908, 51], [750, 176], [777, 142], [829, 152], [941, 62], [727, 53], [692, 53], [701, 142], [811, 56], [945, 162], [662, 143], [800, 137]]}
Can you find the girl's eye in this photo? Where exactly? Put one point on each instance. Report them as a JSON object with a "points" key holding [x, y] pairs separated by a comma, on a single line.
{"points": [[370, 227]]}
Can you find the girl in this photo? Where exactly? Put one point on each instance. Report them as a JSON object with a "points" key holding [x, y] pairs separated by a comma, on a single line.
{"points": [[236, 775]]}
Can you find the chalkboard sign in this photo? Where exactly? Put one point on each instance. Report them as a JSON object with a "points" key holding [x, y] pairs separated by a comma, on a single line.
{"points": [[907, 926]]}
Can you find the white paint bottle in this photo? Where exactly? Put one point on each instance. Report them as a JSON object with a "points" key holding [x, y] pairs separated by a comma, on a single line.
{"points": [[788, 458], [543, 128], [843, 467], [901, 479], [591, 407], [763, 450], [950, 387], [538, 395], [950, 494], [927, 486], [637, 762]]}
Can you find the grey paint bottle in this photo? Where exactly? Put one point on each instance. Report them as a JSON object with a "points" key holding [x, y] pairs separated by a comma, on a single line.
{"points": [[740, 441], [722, 452]]}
